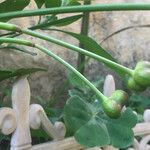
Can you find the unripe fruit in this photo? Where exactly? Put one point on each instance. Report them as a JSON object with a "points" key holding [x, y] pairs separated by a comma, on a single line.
{"points": [[111, 108], [133, 85], [142, 76], [120, 97], [142, 73]]}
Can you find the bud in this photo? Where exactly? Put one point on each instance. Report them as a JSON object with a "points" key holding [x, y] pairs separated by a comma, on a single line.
{"points": [[133, 85], [141, 73], [111, 108], [120, 97]]}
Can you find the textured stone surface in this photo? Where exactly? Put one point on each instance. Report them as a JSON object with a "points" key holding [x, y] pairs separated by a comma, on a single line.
{"points": [[127, 47]]}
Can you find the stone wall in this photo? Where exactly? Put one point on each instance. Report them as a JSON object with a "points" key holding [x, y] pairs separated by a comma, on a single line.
{"points": [[127, 47]]}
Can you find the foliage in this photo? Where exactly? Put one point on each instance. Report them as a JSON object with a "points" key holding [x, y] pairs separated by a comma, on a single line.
{"points": [[6, 74], [139, 103], [84, 115], [92, 127]]}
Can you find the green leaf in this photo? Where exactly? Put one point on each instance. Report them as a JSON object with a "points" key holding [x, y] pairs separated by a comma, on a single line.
{"points": [[58, 22], [93, 133], [120, 129], [91, 127], [39, 134], [76, 113], [12, 5], [39, 3], [52, 3], [89, 44], [121, 137], [70, 2], [6, 74]]}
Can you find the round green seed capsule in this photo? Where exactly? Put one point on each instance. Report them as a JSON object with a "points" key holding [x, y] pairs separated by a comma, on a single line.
{"points": [[120, 97], [133, 85], [111, 108]]}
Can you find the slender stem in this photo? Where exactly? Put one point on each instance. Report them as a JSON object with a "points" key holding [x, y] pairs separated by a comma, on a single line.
{"points": [[74, 9], [84, 31], [80, 50], [57, 58], [69, 46], [67, 65], [17, 41]]}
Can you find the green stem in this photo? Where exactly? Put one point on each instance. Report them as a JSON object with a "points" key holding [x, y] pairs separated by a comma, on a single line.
{"points": [[57, 58], [74, 9], [16, 41], [110, 63], [80, 50], [67, 65], [84, 31]]}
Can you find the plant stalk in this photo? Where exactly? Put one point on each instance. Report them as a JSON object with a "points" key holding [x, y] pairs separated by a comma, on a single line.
{"points": [[108, 62], [80, 50], [84, 31], [57, 58], [75, 9]]}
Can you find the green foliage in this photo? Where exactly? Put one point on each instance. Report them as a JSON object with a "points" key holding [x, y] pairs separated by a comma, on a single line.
{"points": [[56, 3], [52, 3], [70, 2], [79, 88], [84, 114], [139, 103], [12, 5], [39, 3], [54, 21], [6, 74], [85, 121], [140, 78], [89, 44]]}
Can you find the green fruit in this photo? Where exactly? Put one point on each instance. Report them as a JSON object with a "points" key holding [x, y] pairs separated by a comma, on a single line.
{"points": [[142, 64], [133, 85], [111, 108], [142, 73], [142, 76], [120, 97]]}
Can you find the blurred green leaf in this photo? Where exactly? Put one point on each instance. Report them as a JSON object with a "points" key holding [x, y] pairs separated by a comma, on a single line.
{"points": [[70, 2], [143, 100], [39, 134], [5, 74], [39, 3], [52, 3], [139, 103], [89, 44], [12, 5], [58, 22]]}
